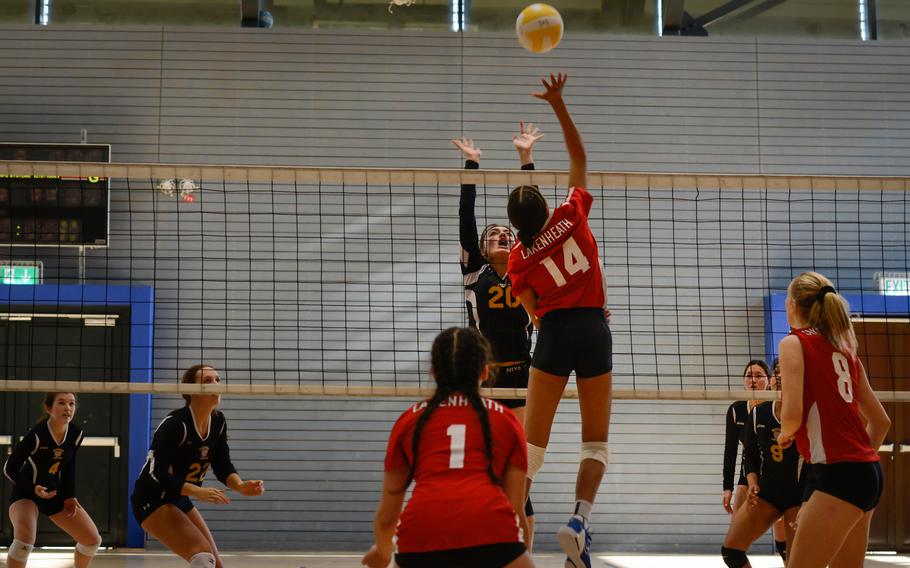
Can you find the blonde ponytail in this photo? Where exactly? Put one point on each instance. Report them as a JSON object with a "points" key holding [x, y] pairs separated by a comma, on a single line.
{"points": [[819, 305]]}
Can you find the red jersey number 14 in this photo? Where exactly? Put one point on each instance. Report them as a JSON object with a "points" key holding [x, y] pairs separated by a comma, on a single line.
{"points": [[573, 260]]}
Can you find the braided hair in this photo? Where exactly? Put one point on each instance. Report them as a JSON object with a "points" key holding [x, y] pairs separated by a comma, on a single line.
{"points": [[459, 357]]}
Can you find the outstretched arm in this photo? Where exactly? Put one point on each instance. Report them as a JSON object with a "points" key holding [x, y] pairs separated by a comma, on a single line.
{"points": [[524, 141], [578, 162], [471, 259]]}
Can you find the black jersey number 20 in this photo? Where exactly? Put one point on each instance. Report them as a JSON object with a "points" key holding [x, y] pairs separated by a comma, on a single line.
{"points": [[498, 294]]}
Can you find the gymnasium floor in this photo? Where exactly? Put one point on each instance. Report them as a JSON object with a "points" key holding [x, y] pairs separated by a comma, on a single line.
{"points": [[141, 559]]}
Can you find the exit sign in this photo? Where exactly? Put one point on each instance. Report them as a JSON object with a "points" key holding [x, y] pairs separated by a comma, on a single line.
{"points": [[21, 273], [893, 283]]}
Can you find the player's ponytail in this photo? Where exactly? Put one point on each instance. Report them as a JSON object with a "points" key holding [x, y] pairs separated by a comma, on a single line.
{"points": [[819, 305], [458, 358], [528, 212]]}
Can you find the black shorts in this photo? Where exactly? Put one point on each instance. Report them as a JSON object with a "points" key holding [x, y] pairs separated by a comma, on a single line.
{"points": [[858, 483], [486, 556], [513, 376], [781, 495], [574, 339], [143, 505], [48, 507]]}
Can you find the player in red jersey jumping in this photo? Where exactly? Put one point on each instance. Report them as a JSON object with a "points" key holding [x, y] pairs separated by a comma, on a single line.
{"points": [[467, 457], [556, 273], [830, 409]]}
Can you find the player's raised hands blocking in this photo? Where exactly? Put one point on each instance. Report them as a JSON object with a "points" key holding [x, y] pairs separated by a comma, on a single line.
{"points": [[467, 147], [527, 136], [553, 91]]}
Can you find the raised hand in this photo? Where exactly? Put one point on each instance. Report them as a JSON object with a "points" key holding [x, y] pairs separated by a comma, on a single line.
{"points": [[553, 91], [527, 136], [467, 147]]}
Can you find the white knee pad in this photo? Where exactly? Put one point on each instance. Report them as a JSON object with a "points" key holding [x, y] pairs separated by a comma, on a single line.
{"points": [[19, 550], [535, 459], [596, 451], [202, 560], [88, 549]]}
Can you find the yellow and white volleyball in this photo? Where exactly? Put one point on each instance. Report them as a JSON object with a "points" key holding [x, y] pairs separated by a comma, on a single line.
{"points": [[539, 28]]}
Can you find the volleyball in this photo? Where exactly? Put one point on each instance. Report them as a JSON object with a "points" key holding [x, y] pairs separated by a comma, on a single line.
{"points": [[539, 28]]}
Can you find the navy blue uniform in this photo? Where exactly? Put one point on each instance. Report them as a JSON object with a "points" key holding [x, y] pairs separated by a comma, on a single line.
{"points": [[492, 308], [737, 416], [179, 454], [38, 459], [777, 468]]}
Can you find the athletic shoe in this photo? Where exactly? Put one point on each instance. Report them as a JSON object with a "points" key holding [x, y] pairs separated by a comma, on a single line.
{"points": [[575, 541]]}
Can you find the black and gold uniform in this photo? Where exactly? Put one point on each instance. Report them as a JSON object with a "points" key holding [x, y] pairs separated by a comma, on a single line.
{"points": [[179, 454], [39, 459], [777, 468], [492, 309], [737, 416]]}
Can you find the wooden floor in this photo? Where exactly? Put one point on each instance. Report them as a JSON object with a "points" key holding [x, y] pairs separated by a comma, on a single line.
{"points": [[142, 559]]}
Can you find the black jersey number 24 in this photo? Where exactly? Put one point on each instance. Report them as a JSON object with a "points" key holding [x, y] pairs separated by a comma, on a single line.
{"points": [[498, 294]]}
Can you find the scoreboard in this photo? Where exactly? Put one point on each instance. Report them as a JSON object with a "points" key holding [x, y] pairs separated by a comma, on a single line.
{"points": [[53, 210]]}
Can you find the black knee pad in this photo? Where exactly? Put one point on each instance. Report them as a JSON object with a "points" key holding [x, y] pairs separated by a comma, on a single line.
{"points": [[734, 558], [529, 508], [781, 547]]}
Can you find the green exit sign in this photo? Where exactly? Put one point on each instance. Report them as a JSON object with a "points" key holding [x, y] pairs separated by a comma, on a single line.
{"points": [[20, 274], [893, 283]]}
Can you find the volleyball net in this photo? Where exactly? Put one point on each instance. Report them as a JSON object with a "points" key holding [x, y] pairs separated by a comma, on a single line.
{"points": [[310, 281]]}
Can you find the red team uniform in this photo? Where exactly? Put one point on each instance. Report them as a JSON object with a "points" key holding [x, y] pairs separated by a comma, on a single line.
{"points": [[832, 437], [452, 487], [832, 430], [563, 267]]}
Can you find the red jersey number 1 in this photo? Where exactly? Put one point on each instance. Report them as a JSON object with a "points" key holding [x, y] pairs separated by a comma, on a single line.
{"points": [[456, 434], [573, 259]]}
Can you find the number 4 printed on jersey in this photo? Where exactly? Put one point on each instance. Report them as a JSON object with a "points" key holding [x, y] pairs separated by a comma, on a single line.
{"points": [[573, 260]]}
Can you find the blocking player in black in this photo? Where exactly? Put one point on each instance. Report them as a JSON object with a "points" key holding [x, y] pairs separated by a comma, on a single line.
{"points": [[755, 377], [42, 469], [186, 443], [774, 488], [492, 308]]}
